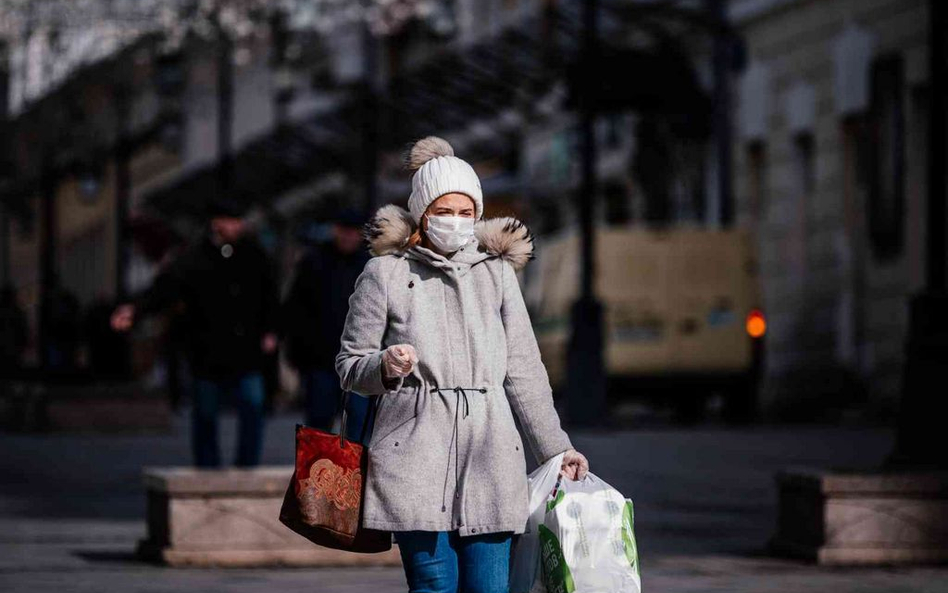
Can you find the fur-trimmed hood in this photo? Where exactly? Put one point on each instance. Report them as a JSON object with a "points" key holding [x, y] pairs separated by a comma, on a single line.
{"points": [[504, 236]]}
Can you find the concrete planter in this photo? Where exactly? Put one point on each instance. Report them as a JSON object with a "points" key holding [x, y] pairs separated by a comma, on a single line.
{"points": [[230, 518], [837, 518]]}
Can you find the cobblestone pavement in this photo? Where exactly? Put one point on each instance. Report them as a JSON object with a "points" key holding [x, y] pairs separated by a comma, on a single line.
{"points": [[72, 508]]}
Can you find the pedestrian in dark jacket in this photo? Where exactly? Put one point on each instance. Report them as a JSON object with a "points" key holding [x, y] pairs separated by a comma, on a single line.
{"points": [[313, 317], [228, 290]]}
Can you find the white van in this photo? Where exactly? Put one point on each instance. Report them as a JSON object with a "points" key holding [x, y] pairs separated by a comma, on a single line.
{"points": [[682, 313]]}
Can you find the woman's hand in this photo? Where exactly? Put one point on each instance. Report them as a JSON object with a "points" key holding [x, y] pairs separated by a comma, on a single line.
{"points": [[398, 360], [574, 465]]}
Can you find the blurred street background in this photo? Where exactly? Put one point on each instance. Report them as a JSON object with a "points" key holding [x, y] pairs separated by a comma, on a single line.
{"points": [[739, 218]]}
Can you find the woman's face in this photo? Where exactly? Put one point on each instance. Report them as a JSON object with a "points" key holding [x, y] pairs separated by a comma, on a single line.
{"points": [[454, 204]]}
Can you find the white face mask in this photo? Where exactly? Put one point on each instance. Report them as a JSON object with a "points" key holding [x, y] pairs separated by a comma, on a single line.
{"points": [[449, 233]]}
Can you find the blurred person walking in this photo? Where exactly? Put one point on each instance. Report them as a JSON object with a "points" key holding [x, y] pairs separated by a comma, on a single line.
{"points": [[313, 316], [228, 288], [438, 332]]}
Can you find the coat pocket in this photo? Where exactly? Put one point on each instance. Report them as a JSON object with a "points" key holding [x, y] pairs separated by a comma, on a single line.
{"points": [[512, 437], [396, 410]]}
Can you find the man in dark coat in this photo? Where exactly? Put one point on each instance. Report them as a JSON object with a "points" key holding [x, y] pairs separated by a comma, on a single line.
{"points": [[228, 288], [314, 314]]}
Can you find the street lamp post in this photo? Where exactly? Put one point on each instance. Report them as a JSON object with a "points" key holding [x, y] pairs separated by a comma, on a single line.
{"points": [[922, 440], [586, 379]]}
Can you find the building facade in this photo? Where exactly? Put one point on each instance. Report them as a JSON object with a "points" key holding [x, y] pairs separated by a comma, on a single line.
{"points": [[830, 161], [829, 114]]}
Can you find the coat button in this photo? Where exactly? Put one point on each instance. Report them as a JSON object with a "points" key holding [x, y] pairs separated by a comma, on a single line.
{"points": [[473, 530], [410, 284], [227, 250]]}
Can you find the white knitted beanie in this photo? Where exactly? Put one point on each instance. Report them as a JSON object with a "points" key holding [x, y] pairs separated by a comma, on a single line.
{"points": [[439, 172]]}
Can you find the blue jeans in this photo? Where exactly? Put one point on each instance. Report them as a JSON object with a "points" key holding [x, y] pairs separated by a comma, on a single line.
{"points": [[248, 391], [444, 562], [322, 394]]}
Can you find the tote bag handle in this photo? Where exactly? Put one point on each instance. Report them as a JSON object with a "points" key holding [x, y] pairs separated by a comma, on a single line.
{"points": [[345, 415]]}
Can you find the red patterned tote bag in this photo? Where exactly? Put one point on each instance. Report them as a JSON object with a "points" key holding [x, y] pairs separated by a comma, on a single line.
{"points": [[323, 502]]}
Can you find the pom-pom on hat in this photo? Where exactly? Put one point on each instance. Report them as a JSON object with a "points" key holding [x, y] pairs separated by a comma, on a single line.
{"points": [[439, 172]]}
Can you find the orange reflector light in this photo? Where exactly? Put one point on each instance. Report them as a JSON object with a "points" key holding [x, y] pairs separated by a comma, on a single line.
{"points": [[756, 324]]}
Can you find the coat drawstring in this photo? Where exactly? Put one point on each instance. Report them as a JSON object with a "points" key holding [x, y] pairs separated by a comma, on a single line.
{"points": [[459, 392]]}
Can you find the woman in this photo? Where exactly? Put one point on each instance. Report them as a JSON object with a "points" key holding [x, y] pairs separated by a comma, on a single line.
{"points": [[437, 327]]}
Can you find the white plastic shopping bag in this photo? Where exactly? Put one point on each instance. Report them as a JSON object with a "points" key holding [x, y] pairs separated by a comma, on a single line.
{"points": [[587, 540], [525, 556], [579, 537]]}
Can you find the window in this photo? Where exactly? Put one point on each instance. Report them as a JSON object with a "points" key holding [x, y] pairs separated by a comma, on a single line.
{"points": [[886, 148]]}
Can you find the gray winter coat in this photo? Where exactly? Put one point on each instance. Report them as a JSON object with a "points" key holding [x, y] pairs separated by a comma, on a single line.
{"points": [[445, 453]]}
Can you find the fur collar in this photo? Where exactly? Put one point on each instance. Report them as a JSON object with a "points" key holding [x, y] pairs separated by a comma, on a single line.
{"points": [[503, 236]]}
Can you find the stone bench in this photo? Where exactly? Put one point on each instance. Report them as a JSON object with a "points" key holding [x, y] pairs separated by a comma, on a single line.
{"points": [[840, 518], [229, 517]]}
